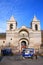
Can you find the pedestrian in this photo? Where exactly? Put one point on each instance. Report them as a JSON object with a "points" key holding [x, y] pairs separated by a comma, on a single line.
{"points": [[36, 55]]}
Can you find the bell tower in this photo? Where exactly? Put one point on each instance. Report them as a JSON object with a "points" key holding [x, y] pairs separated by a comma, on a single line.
{"points": [[11, 27], [11, 24], [35, 25]]}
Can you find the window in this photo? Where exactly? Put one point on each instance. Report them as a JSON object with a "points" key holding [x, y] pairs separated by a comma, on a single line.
{"points": [[36, 27], [11, 26], [11, 38], [3, 41]]}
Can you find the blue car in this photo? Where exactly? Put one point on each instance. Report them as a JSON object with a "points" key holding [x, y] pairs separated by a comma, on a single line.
{"points": [[28, 53], [6, 51]]}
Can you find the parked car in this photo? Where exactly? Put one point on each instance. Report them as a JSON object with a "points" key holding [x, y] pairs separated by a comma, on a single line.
{"points": [[6, 51], [28, 53]]}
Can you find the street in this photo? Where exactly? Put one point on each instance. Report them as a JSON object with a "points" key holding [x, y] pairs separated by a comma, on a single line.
{"points": [[11, 60]]}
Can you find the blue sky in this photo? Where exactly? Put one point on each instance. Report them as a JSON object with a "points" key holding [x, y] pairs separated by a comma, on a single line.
{"points": [[22, 10]]}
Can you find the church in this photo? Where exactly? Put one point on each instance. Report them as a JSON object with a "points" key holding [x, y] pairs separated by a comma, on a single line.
{"points": [[20, 38]]}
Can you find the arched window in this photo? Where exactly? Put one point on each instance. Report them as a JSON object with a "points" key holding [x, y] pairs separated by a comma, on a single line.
{"points": [[36, 27], [11, 26]]}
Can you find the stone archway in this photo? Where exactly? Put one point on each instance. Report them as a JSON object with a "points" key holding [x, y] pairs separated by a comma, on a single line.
{"points": [[23, 43]]}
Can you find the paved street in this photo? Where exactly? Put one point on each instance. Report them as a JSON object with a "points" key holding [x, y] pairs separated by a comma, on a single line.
{"points": [[11, 60]]}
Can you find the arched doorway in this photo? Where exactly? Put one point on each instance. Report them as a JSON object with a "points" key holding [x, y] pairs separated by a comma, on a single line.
{"points": [[23, 45]]}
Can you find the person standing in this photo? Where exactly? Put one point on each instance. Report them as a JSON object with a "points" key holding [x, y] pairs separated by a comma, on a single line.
{"points": [[36, 55]]}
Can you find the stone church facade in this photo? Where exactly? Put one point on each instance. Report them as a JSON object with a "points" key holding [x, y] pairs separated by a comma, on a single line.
{"points": [[24, 37]]}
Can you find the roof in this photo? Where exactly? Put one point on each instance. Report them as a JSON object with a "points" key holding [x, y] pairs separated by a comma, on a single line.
{"points": [[35, 19], [12, 19], [2, 35]]}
